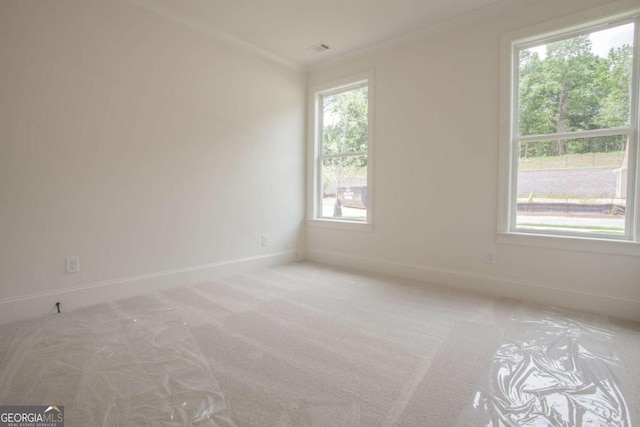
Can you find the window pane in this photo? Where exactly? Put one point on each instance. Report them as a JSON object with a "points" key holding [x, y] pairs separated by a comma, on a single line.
{"points": [[344, 122], [581, 191], [344, 188], [580, 83]]}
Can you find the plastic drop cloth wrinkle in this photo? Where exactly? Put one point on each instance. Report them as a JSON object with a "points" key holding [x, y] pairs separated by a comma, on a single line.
{"points": [[133, 363], [554, 371]]}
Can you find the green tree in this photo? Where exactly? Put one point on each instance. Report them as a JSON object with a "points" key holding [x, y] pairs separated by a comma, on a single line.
{"points": [[572, 89], [345, 122], [614, 111], [535, 106]]}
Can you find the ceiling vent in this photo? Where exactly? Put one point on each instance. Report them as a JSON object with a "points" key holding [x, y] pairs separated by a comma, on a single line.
{"points": [[319, 48]]}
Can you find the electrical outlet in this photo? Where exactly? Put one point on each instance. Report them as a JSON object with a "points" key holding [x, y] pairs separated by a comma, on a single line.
{"points": [[265, 240], [490, 258], [73, 264]]}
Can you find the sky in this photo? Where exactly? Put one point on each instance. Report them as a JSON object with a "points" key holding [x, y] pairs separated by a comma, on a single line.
{"points": [[602, 41]]}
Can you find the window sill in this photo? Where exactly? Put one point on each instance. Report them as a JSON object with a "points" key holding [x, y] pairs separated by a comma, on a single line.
{"points": [[578, 244], [339, 225]]}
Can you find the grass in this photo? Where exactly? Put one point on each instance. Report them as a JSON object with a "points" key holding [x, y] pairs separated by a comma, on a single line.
{"points": [[608, 230], [573, 161], [524, 198]]}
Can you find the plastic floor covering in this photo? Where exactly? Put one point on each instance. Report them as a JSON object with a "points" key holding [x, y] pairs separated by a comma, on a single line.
{"points": [[308, 345]]}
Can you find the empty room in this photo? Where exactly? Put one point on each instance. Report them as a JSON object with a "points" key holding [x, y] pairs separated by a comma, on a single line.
{"points": [[302, 214]]}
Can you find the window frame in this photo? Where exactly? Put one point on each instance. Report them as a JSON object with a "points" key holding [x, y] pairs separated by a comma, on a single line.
{"points": [[511, 45], [314, 207]]}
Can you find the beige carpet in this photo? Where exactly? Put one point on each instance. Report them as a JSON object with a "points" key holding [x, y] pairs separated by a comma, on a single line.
{"points": [[310, 345]]}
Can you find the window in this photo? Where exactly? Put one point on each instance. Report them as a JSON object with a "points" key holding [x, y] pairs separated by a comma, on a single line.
{"points": [[342, 161], [572, 137]]}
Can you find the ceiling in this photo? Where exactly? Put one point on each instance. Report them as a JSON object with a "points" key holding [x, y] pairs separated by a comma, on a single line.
{"points": [[287, 28]]}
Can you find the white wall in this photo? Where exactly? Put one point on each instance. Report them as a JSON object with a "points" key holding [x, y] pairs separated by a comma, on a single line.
{"points": [[144, 146], [140, 145], [436, 170]]}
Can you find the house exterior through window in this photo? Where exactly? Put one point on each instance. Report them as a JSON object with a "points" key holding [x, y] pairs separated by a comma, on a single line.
{"points": [[342, 161], [572, 143]]}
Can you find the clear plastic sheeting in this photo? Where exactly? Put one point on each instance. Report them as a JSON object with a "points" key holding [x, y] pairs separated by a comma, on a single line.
{"points": [[305, 345], [553, 370], [130, 363]]}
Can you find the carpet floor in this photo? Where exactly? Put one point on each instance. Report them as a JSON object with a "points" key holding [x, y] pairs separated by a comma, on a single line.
{"points": [[305, 344]]}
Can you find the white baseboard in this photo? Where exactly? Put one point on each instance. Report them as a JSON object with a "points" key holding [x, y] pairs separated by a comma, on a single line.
{"points": [[611, 305], [43, 303]]}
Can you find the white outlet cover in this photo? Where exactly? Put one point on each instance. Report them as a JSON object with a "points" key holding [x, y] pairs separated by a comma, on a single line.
{"points": [[73, 264], [491, 257]]}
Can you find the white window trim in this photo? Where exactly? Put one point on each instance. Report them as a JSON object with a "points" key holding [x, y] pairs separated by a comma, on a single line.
{"points": [[630, 244], [313, 147]]}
